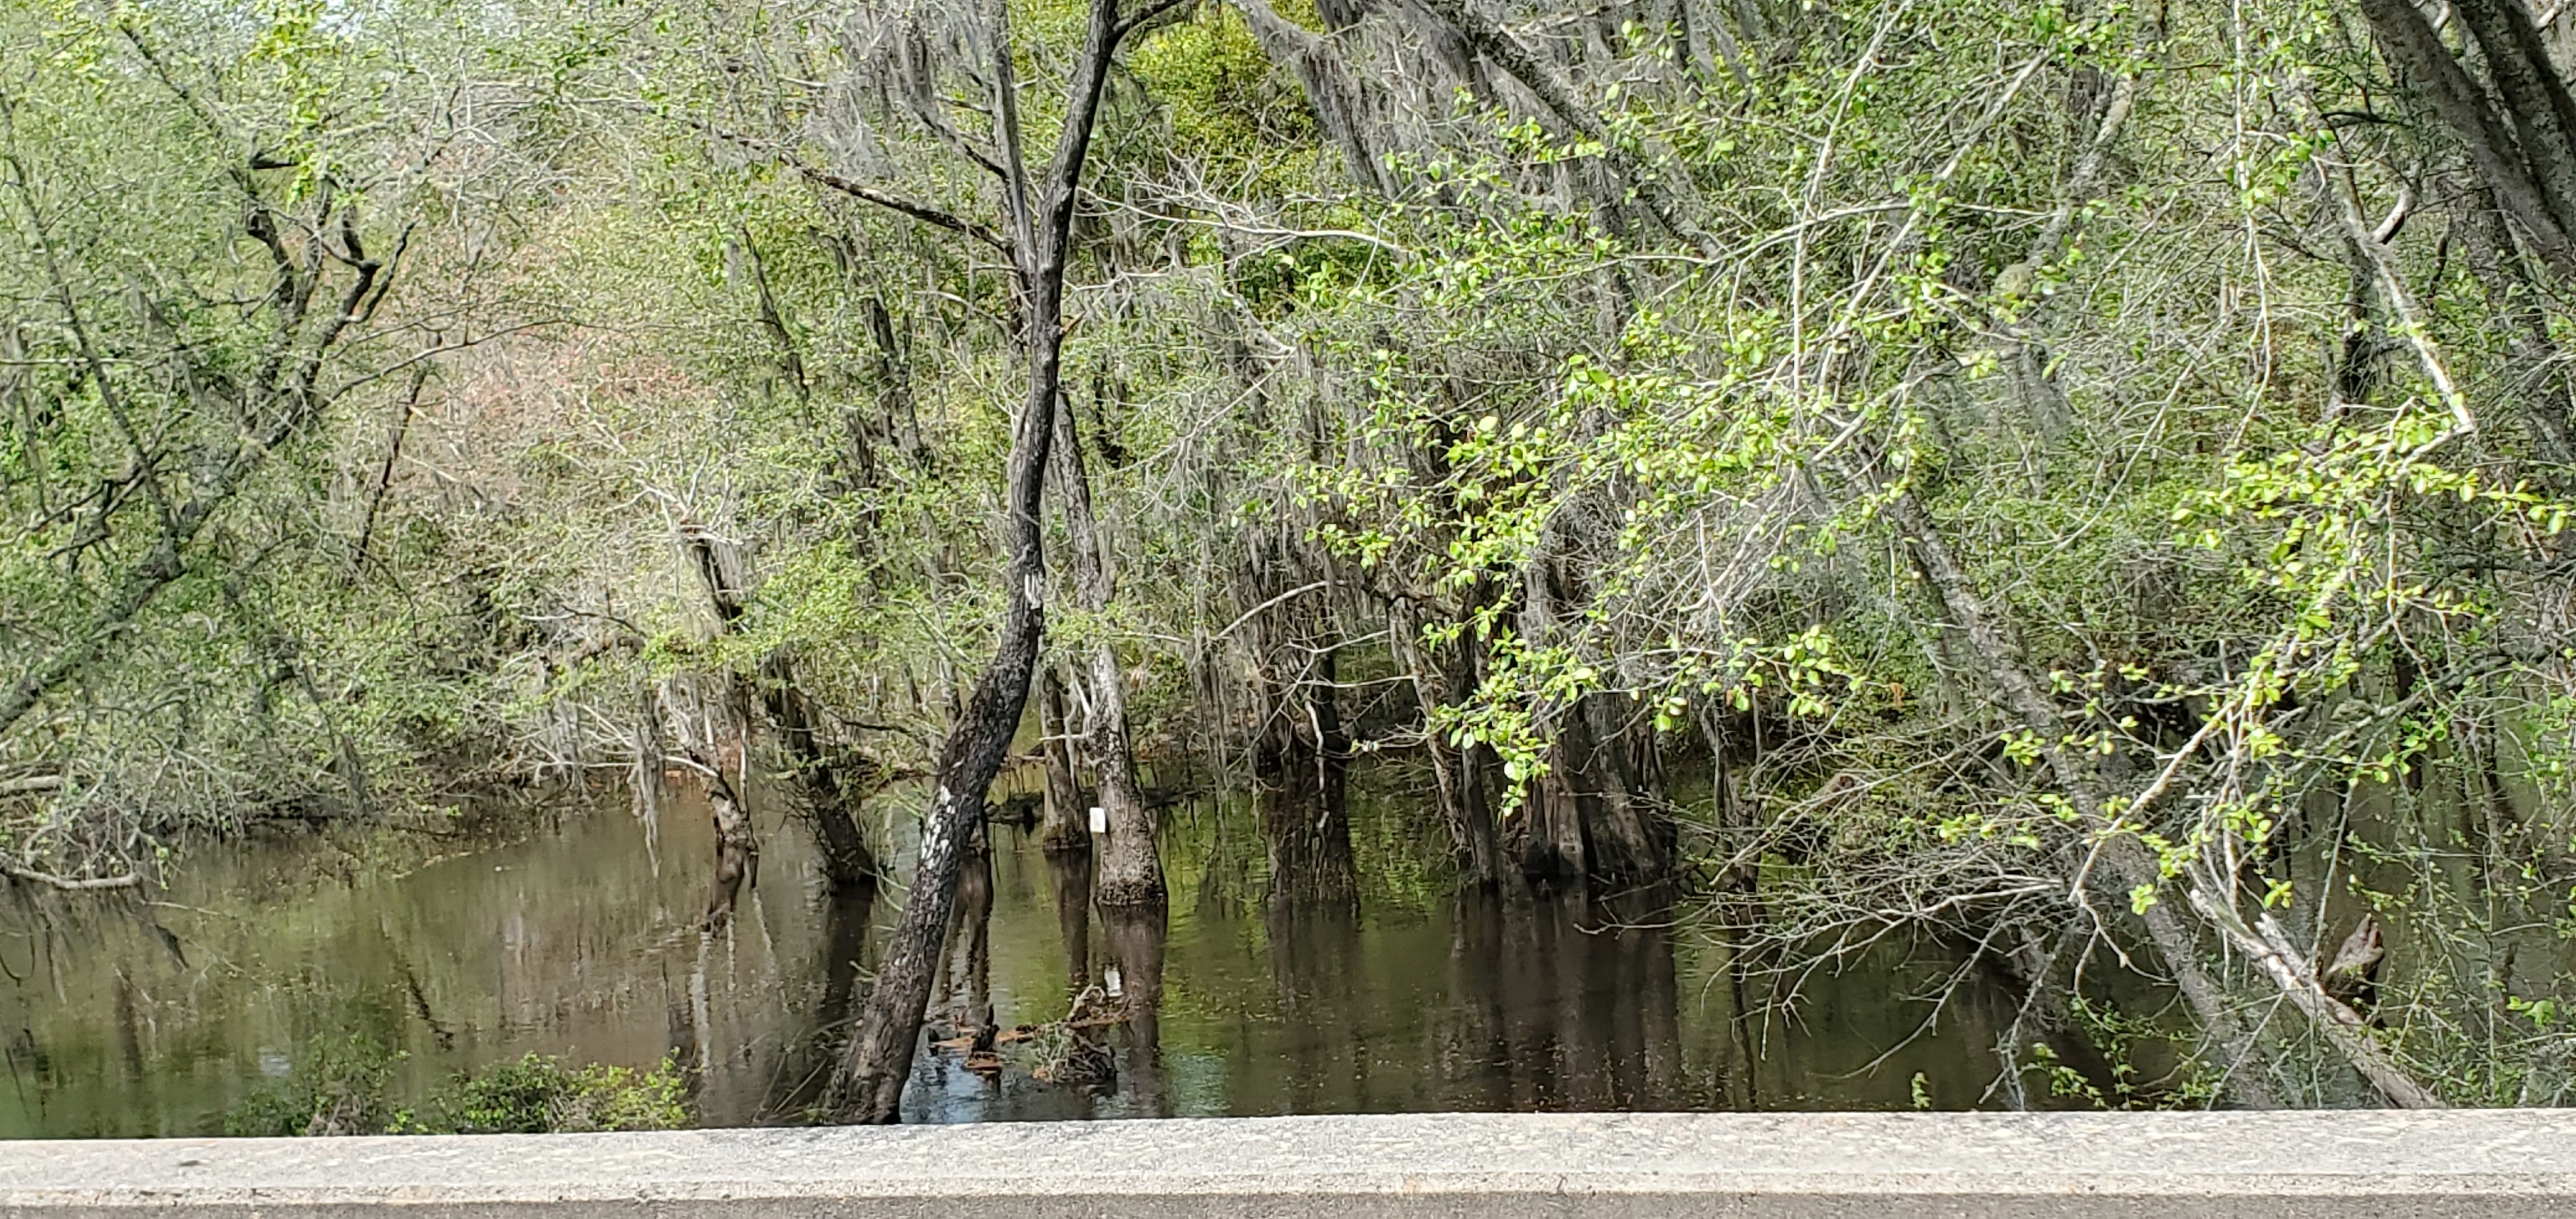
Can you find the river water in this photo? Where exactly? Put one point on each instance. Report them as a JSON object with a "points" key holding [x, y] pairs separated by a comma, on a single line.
{"points": [[576, 933]]}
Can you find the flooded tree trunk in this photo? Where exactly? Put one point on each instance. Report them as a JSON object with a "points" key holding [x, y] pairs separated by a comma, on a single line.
{"points": [[726, 572], [847, 862], [737, 850], [1548, 838], [1737, 816], [1062, 824], [1443, 677], [1631, 839], [1131, 873], [1301, 764], [1588, 815], [1300, 753]]}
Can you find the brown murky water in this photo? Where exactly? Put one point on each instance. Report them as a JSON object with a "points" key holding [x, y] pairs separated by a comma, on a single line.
{"points": [[579, 938]]}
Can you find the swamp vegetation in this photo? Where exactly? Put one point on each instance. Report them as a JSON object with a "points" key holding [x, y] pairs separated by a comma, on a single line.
{"points": [[1674, 553]]}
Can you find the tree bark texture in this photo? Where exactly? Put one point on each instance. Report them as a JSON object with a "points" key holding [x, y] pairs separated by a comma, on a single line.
{"points": [[1063, 828], [2519, 143]]}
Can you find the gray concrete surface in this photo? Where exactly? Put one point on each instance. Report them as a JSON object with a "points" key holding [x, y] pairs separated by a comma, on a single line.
{"points": [[2369, 1165]]}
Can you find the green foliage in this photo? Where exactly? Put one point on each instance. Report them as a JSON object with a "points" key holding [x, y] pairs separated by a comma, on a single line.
{"points": [[1654, 400], [536, 1095], [337, 1086], [346, 1087], [2118, 1039]]}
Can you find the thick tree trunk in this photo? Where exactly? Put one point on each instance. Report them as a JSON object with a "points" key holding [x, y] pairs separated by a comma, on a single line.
{"points": [[1550, 841], [2511, 286], [1630, 842], [1131, 874], [1585, 816]]}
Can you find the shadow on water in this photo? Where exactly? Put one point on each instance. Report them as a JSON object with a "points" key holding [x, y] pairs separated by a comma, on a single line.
{"points": [[583, 938]]}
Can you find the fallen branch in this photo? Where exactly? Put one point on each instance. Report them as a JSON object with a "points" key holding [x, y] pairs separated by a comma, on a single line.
{"points": [[29, 785], [2271, 951], [86, 884]]}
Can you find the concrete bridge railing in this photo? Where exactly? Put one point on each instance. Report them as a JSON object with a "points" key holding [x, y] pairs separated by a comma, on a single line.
{"points": [[2369, 1165]]}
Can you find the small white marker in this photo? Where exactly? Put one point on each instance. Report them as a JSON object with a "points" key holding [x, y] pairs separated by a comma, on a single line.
{"points": [[1109, 980], [1099, 820]]}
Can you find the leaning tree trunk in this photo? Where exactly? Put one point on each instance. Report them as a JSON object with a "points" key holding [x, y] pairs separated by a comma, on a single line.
{"points": [[1130, 874], [880, 1055], [848, 865], [725, 571], [1992, 639]]}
